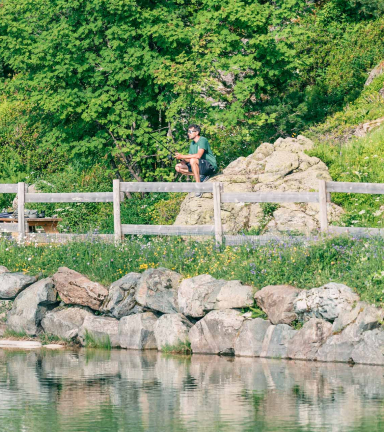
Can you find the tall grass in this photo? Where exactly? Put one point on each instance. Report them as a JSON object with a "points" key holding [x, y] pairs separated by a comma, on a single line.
{"points": [[358, 263], [91, 341]]}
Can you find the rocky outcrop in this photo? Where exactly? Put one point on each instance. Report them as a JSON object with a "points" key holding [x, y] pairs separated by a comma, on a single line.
{"points": [[65, 323], [30, 307], [201, 294], [364, 128], [277, 302], [121, 300], [11, 284], [307, 341], [249, 341], [279, 167], [326, 302], [137, 331], [157, 290], [101, 331], [74, 288], [216, 332], [171, 330], [375, 72]]}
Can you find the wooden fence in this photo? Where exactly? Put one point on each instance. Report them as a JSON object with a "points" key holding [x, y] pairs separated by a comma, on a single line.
{"points": [[219, 196]]}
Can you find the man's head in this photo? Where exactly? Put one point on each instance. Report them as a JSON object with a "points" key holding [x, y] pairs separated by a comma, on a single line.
{"points": [[193, 131]]}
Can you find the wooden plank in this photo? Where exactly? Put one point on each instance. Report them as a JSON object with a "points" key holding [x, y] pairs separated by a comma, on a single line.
{"points": [[365, 188], [257, 197], [9, 227], [166, 187], [20, 210], [323, 206], [116, 210], [168, 229], [8, 188], [359, 231], [77, 197], [217, 212]]}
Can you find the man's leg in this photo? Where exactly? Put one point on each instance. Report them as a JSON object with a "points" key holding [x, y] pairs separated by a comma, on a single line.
{"points": [[195, 169], [182, 168]]}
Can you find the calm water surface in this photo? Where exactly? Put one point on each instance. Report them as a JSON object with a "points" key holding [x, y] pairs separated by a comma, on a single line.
{"points": [[92, 390]]}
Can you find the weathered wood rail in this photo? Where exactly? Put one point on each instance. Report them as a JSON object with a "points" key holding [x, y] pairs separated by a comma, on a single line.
{"points": [[219, 196]]}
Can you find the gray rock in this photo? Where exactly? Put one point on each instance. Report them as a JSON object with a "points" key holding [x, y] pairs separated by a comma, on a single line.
{"points": [[250, 339], [137, 331], [30, 307], [201, 294], [326, 302], [370, 350], [102, 330], [157, 290], [64, 323], [216, 332], [275, 344], [11, 284], [339, 347], [75, 288], [3, 269], [369, 318], [375, 72], [171, 329], [307, 341], [347, 317], [121, 300], [277, 302]]}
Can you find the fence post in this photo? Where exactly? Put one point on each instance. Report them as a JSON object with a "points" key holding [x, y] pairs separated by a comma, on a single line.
{"points": [[20, 211], [323, 206], [116, 210], [217, 212]]}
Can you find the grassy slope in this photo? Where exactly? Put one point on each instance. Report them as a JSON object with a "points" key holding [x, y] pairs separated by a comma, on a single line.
{"points": [[352, 159]]}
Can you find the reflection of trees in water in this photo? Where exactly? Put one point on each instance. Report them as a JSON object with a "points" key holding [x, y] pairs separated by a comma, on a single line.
{"points": [[121, 390]]}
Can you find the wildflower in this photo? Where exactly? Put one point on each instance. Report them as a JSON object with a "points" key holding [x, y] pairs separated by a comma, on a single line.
{"points": [[361, 212]]}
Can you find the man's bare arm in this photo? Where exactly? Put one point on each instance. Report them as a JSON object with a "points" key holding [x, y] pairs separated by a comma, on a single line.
{"points": [[188, 157]]}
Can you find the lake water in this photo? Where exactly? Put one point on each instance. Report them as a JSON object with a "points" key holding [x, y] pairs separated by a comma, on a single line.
{"points": [[92, 390]]}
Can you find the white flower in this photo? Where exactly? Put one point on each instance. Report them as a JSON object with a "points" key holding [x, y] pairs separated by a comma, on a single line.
{"points": [[29, 259], [367, 157], [378, 213], [361, 212]]}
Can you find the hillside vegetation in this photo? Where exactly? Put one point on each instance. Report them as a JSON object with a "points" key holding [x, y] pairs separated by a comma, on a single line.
{"points": [[86, 87]]}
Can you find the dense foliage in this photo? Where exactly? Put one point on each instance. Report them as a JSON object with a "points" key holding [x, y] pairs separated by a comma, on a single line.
{"points": [[98, 81]]}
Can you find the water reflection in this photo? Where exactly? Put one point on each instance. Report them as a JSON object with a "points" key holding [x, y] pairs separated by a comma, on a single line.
{"points": [[126, 390]]}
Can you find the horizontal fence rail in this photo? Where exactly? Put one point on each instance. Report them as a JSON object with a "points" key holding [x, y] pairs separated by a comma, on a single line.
{"points": [[276, 197], [166, 187], [168, 229], [86, 197], [8, 188], [364, 188], [219, 197]]}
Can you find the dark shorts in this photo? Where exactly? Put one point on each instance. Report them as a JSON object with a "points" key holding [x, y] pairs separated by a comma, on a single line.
{"points": [[205, 168]]}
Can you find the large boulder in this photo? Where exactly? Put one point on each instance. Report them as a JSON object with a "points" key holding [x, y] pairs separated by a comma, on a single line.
{"points": [[65, 323], [157, 290], [307, 341], [121, 300], [11, 284], [280, 167], [370, 349], [137, 331], [326, 302], [277, 302], [349, 332], [201, 294], [276, 340], [216, 332], [249, 341], [30, 307], [75, 288], [171, 330], [99, 331]]}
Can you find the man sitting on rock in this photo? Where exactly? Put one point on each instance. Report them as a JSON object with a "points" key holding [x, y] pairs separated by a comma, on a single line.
{"points": [[200, 162]]}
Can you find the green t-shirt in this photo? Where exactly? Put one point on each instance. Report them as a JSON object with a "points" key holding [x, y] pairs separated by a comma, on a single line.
{"points": [[208, 154]]}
